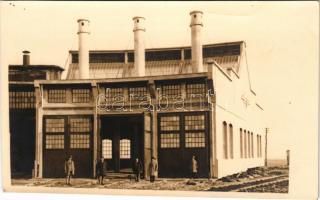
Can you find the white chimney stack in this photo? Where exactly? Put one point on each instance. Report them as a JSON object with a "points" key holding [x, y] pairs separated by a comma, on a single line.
{"points": [[139, 46], [83, 34], [196, 41]]}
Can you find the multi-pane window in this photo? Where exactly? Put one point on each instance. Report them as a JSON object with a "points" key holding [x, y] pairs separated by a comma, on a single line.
{"points": [[195, 131], [170, 123], [56, 95], [125, 151], [81, 95], [80, 141], [107, 149], [196, 91], [80, 125], [169, 140], [54, 141], [138, 94], [170, 92], [194, 122], [55, 125], [113, 94], [21, 99], [195, 140]]}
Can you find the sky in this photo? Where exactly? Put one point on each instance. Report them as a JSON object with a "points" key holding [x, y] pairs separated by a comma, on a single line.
{"points": [[281, 43]]}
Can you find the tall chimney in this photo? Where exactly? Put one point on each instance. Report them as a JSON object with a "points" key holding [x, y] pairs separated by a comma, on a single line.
{"points": [[139, 46], [83, 34], [196, 41], [26, 58]]}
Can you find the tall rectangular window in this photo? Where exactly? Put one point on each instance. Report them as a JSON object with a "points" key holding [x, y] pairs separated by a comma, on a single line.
{"points": [[225, 140], [252, 153], [81, 95], [231, 141], [170, 131], [249, 144], [56, 95], [125, 149], [107, 149], [258, 146], [245, 144], [241, 144]]}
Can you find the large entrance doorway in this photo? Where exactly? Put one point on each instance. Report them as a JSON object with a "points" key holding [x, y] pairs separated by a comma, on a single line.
{"points": [[122, 141]]}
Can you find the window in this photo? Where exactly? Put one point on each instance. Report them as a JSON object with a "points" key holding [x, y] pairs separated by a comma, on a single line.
{"points": [[169, 140], [170, 92], [55, 125], [81, 95], [258, 146], [80, 141], [78, 125], [195, 140], [56, 95], [25, 99], [125, 149], [245, 144], [196, 90], [248, 145], [54, 141], [194, 122], [170, 123], [113, 94], [138, 94], [107, 149], [195, 131], [241, 144], [225, 140], [252, 153], [231, 140]]}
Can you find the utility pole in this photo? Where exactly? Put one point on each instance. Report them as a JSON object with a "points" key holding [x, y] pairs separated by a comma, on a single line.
{"points": [[266, 149]]}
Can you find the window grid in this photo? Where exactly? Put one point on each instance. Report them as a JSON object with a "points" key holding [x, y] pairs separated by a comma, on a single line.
{"points": [[24, 99], [195, 122], [170, 123], [195, 140], [196, 90], [170, 92], [80, 125], [138, 94], [56, 95], [81, 95], [170, 140], [55, 125], [54, 141], [112, 94], [107, 149], [125, 152], [80, 141]]}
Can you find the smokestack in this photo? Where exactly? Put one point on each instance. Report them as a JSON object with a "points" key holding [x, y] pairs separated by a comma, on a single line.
{"points": [[196, 41], [26, 58], [139, 47], [83, 53]]}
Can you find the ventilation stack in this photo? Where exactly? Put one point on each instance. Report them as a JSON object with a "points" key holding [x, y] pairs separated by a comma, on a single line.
{"points": [[196, 41], [83, 34], [139, 46], [26, 58]]}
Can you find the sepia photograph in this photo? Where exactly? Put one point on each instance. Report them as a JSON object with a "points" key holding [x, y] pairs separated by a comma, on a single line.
{"points": [[179, 98]]}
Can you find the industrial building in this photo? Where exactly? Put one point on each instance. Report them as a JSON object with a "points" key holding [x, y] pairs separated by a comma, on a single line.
{"points": [[170, 103]]}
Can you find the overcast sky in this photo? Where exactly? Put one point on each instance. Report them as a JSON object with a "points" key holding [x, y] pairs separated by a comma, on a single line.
{"points": [[282, 46]]}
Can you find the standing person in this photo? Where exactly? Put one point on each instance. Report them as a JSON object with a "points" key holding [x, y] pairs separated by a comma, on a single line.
{"points": [[194, 167], [69, 169], [153, 169], [137, 169], [101, 169]]}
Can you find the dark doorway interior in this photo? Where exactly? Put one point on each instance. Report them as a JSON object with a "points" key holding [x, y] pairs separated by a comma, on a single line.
{"points": [[121, 141], [22, 139]]}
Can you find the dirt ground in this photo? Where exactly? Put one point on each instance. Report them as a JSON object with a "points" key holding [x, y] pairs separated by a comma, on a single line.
{"points": [[271, 179]]}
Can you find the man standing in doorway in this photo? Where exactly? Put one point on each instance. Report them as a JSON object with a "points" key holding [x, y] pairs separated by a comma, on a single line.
{"points": [[194, 167], [153, 169], [69, 169], [101, 169], [137, 169]]}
